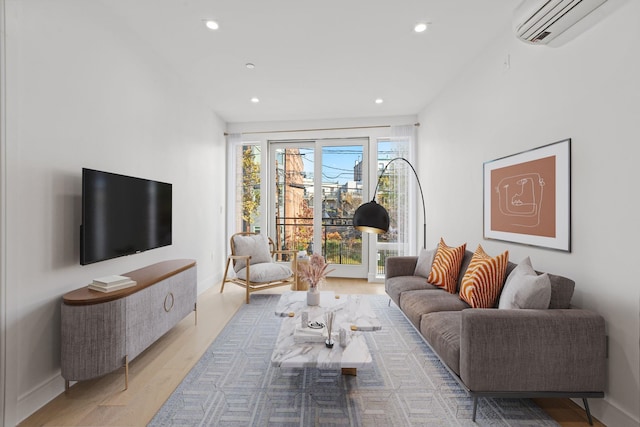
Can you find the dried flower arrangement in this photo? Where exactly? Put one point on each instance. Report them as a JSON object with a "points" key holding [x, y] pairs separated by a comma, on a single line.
{"points": [[315, 271]]}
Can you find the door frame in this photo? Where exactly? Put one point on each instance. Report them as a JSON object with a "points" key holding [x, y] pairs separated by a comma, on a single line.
{"points": [[317, 144]]}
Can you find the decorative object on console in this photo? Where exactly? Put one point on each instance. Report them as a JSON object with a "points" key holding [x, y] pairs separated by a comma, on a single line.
{"points": [[371, 217], [483, 279], [527, 197], [111, 283], [314, 273], [446, 266]]}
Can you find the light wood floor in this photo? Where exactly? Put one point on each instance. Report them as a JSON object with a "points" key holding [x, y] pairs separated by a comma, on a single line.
{"points": [[157, 372]]}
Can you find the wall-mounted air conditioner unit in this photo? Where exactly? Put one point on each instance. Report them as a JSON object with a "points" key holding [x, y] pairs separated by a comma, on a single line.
{"points": [[540, 21]]}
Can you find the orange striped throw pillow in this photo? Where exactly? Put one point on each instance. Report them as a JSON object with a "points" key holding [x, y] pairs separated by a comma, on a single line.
{"points": [[483, 280], [446, 266]]}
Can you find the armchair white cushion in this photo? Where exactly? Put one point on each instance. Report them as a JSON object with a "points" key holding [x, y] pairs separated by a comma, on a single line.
{"points": [[265, 272], [255, 245]]}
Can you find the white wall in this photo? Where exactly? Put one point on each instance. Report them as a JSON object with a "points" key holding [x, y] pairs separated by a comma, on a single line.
{"points": [[84, 91], [587, 90]]}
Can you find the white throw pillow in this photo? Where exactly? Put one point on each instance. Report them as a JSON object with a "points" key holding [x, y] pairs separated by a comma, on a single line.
{"points": [[524, 288], [254, 245], [425, 259]]}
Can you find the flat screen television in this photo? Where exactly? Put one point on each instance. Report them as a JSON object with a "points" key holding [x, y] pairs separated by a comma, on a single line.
{"points": [[122, 215]]}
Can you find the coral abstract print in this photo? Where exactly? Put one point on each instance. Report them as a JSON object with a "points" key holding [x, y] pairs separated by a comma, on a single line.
{"points": [[524, 199]]}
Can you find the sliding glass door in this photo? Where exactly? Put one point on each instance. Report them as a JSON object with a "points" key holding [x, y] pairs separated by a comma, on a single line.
{"points": [[317, 186]]}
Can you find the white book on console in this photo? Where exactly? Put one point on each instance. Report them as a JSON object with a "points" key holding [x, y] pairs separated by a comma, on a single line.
{"points": [[111, 280], [111, 288]]}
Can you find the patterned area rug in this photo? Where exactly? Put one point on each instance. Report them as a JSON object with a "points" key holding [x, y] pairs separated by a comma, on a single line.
{"points": [[234, 383]]}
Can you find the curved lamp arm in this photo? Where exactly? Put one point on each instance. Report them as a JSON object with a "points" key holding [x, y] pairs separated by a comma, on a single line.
{"points": [[373, 218]]}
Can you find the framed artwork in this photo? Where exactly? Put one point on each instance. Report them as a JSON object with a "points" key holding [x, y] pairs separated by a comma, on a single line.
{"points": [[527, 197]]}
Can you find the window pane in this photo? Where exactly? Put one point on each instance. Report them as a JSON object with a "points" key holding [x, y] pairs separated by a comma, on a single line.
{"points": [[294, 199], [248, 166], [341, 196]]}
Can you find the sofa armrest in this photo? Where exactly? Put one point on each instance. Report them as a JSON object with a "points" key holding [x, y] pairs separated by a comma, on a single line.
{"points": [[532, 350], [400, 266]]}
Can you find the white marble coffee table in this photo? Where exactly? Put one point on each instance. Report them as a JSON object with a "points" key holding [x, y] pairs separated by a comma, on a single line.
{"points": [[353, 313]]}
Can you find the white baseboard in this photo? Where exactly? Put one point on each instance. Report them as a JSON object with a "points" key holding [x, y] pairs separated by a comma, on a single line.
{"points": [[37, 397], [207, 283], [609, 413]]}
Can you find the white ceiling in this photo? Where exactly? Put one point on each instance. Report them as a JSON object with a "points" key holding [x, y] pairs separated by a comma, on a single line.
{"points": [[316, 60]]}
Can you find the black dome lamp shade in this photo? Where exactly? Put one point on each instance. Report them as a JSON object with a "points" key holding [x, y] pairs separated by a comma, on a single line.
{"points": [[371, 217]]}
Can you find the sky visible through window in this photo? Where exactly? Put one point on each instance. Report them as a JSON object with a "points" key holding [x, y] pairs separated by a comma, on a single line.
{"points": [[338, 162]]}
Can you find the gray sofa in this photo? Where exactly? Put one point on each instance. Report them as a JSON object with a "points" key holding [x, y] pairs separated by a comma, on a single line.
{"points": [[555, 352]]}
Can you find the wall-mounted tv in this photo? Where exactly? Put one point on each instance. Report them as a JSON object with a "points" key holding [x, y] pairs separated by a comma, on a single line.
{"points": [[122, 215]]}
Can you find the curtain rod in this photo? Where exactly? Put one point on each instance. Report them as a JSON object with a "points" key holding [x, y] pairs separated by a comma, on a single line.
{"points": [[313, 130]]}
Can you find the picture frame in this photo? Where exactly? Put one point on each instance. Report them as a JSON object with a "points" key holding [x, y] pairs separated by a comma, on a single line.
{"points": [[527, 197]]}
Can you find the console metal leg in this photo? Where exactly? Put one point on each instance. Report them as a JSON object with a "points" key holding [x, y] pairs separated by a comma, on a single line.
{"points": [[195, 308], [475, 407], [586, 408], [126, 372], [66, 385]]}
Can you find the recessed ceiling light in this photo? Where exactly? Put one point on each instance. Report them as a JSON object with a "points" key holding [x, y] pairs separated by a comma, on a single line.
{"points": [[212, 25], [379, 101], [255, 100], [250, 66], [420, 27]]}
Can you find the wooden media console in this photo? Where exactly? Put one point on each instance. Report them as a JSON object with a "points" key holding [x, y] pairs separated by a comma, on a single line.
{"points": [[102, 332]]}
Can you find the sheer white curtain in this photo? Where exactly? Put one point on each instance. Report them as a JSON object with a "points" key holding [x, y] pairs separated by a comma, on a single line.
{"points": [[403, 138], [234, 171], [396, 193]]}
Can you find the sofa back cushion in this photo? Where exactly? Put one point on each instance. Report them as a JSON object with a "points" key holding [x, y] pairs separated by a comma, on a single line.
{"points": [[425, 260], [463, 268], [561, 291]]}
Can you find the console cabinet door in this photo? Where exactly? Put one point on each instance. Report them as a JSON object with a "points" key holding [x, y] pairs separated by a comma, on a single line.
{"points": [[156, 309], [92, 340]]}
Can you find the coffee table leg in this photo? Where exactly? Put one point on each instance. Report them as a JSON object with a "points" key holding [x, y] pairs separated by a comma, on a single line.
{"points": [[350, 371]]}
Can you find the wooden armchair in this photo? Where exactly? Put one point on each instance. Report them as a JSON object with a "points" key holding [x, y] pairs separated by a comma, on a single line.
{"points": [[252, 257]]}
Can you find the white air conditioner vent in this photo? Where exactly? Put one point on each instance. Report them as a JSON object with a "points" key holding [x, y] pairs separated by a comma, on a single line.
{"points": [[540, 21]]}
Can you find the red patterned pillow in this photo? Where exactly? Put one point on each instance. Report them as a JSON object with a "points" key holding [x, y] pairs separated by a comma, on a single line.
{"points": [[446, 266], [483, 280]]}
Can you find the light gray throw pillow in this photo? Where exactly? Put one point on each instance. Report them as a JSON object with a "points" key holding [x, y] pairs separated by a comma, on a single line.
{"points": [[254, 245], [524, 288], [425, 259]]}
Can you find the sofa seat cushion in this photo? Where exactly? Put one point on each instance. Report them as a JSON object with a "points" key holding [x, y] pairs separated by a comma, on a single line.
{"points": [[394, 286], [442, 332], [416, 303]]}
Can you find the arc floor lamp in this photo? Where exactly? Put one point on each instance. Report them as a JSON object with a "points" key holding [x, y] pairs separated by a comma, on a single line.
{"points": [[373, 218]]}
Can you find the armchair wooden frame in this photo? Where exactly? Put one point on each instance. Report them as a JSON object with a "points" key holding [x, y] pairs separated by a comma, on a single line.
{"points": [[258, 286]]}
